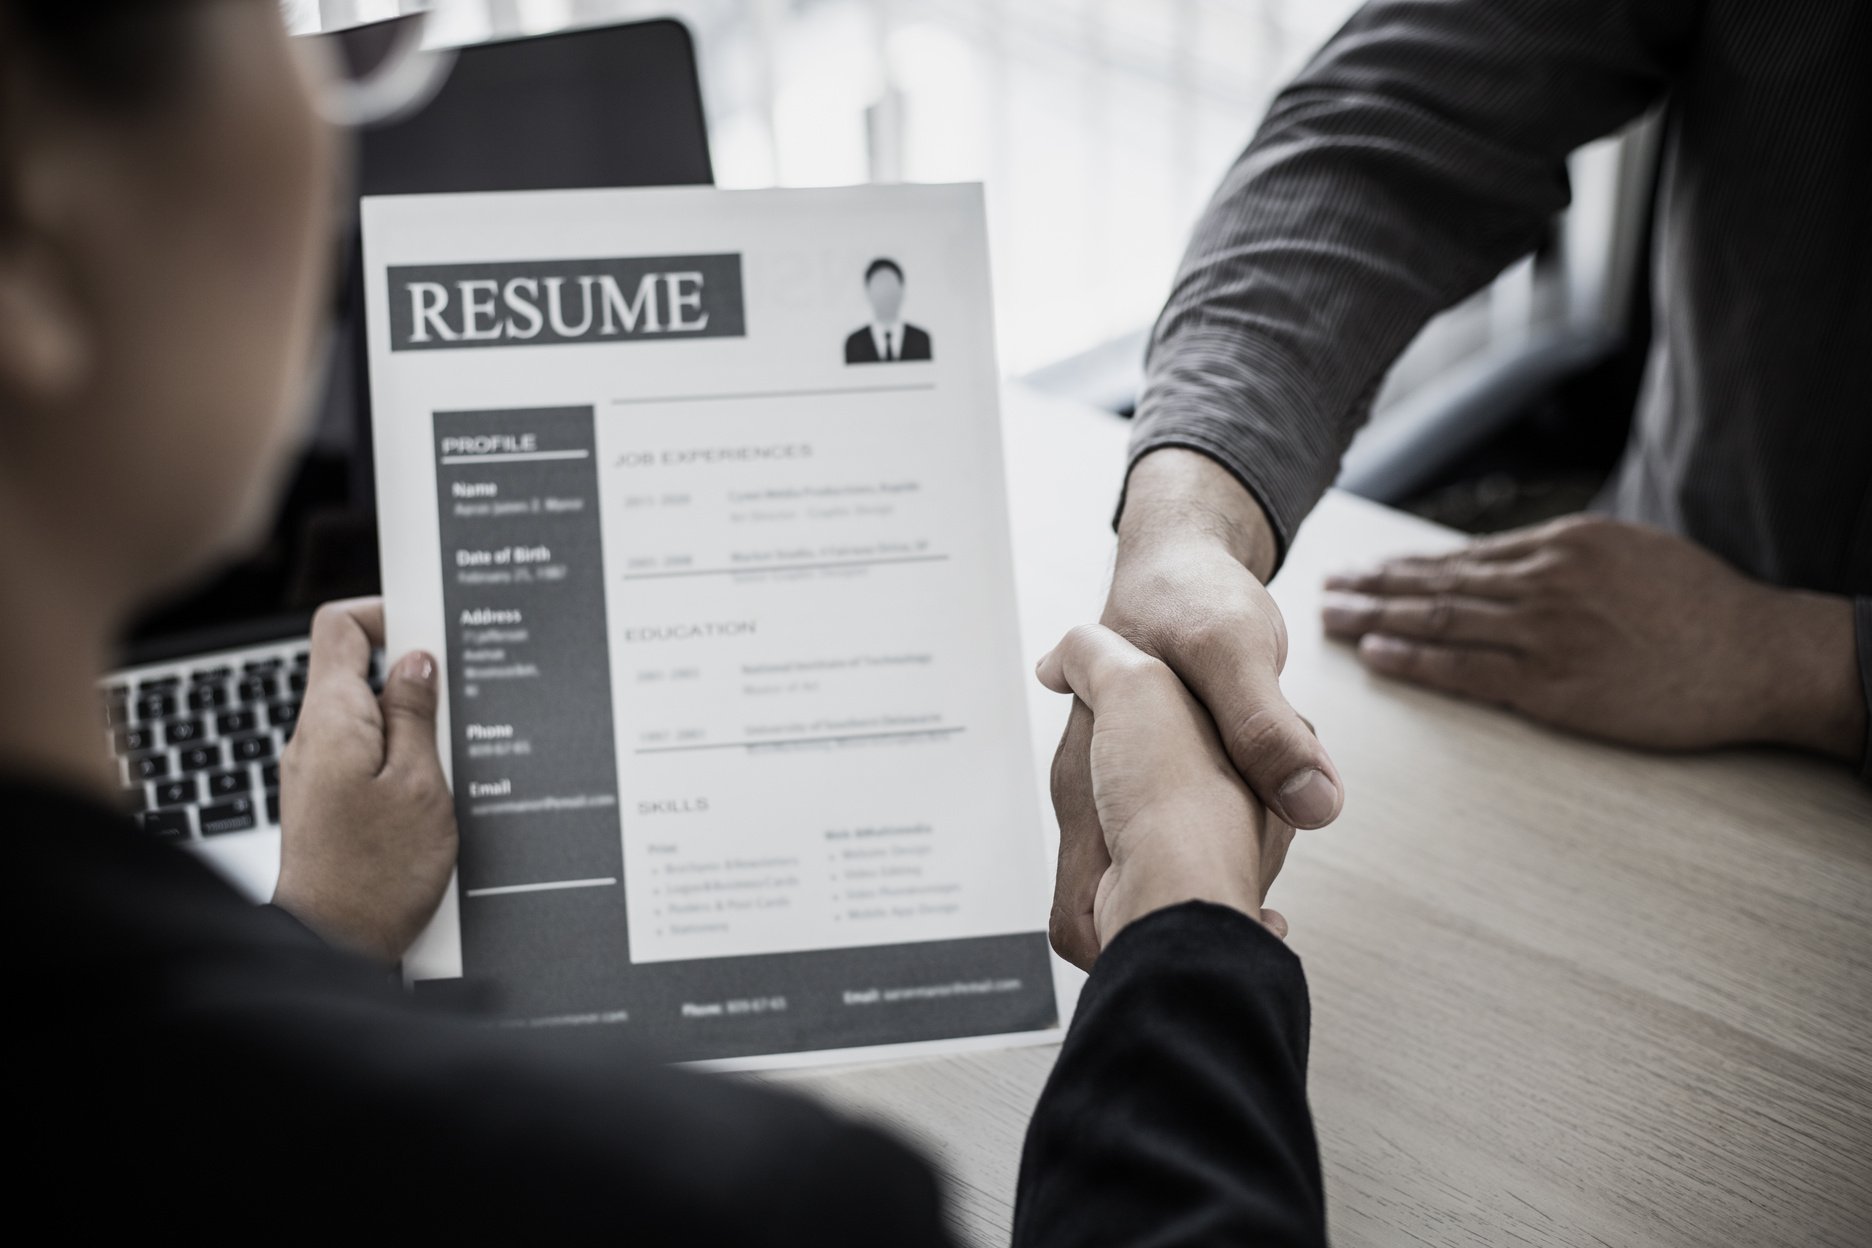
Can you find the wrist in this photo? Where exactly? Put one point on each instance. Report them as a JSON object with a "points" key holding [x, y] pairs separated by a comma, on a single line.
{"points": [[1210, 856], [336, 924], [1814, 699], [1176, 497]]}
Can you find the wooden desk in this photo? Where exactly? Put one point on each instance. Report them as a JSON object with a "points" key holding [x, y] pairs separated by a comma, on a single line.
{"points": [[1562, 993]]}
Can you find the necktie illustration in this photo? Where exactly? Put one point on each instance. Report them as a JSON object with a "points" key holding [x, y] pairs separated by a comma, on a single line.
{"points": [[890, 346]]}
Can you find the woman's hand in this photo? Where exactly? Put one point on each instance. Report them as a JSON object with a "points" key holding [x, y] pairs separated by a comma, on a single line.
{"points": [[368, 826], [1176, 821]]}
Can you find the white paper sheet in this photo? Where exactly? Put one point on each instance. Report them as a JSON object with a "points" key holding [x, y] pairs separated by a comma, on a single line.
{"points": [[711, 541]]}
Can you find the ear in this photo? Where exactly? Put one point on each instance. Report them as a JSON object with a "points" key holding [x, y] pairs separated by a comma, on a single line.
{"points": [[45, 347]]}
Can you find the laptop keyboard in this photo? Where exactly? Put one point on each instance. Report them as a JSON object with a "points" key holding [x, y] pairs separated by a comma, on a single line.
{"points": [[198, 740]]}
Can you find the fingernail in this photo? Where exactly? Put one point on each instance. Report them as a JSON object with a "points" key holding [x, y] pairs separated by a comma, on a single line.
{"points": [[1343, 608], [1378, 648], [418, 667], [1308, 797]]}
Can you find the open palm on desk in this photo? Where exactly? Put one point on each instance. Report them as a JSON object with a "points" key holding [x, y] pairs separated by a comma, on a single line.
{"points": [[1614, 630]]}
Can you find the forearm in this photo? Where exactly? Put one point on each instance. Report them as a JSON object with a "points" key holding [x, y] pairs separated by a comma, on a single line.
{"points": [[1421, 151], [1177, 1113]]}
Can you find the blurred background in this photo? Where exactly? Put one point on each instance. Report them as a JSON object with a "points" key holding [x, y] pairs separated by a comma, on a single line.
{"points": [[1099, 128]]}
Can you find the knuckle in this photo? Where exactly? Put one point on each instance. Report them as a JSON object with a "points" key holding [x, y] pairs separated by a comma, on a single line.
{"points": [[1440, 615], [1067, 936], [1066, 779], [1218, 639], [1445, 577], [329, 616], [421, 787], [1263, 736], [1575, 530], [1148, 674], [1082, 637]]}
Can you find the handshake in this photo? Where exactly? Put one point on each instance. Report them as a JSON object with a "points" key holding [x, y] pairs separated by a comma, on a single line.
{"points": [[1152, 810], [1183, 771]]}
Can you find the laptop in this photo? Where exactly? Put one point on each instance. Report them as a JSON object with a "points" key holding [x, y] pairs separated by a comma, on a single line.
{"points": [[209, 690]]}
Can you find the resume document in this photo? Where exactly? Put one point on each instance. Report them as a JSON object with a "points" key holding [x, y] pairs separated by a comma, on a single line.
{"points": [[698, 498]]}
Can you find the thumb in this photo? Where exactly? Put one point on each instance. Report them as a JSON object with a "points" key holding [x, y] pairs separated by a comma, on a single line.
{"points": [[1275, 749], [409, 711]]}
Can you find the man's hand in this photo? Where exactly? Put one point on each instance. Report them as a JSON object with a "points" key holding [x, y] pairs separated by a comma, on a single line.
{"points": [[1193, 548], [368, 828], [1616, 631], [1178, 823]]}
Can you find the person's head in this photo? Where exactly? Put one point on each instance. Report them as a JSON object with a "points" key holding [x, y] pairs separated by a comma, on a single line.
{"points": [[167, 201], [884, 287]]}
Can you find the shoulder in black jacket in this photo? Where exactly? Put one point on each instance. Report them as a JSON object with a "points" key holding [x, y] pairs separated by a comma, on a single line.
{"points": [[199, 1061]]}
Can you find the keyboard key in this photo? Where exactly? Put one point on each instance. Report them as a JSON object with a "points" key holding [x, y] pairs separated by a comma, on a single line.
{"points": [[211, 673], [183, 792], [147, 766], [258, 689], [228, 783], [296, 681], [273, 809], [301, 657], [252, 749], [135, 740], [234, 723], [269, 776], [209, 697], [155, 706], [118, 692], [168, 825], [116, 712], [283, 715], [254, 667], [158, 684], [234, 816], [184, 731], [201, 758]]}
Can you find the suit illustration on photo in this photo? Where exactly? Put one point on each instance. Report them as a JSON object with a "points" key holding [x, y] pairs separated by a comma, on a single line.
{"points": [[887, 344], [888, 339]]}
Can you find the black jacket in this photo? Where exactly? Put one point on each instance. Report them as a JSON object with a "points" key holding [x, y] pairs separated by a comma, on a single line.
{"points": [[861, 347], [197, 1062]]}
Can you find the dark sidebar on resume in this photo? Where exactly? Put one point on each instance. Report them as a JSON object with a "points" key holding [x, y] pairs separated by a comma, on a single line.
{"points": [[543, 913], [535, 768]]}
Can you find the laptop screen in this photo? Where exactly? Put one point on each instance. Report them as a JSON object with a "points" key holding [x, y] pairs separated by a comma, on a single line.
{"points": [[603, 107]]}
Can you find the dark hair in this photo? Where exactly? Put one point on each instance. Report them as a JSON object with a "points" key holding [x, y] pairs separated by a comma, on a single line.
{"points": [[878, 266], [108, 52]]}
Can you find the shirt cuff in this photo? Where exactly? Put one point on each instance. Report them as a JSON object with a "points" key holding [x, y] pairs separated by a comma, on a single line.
{"points": [[1862, 626]]}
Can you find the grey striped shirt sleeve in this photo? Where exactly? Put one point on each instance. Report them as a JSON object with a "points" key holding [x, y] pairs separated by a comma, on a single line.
{"points": [[1420, 152]]}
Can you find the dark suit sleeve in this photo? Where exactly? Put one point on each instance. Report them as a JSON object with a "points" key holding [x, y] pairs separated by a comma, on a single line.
{"points": [[199, 1060], [1177, 1114], [1422, 150], [1862, 631], [860, 349]]}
